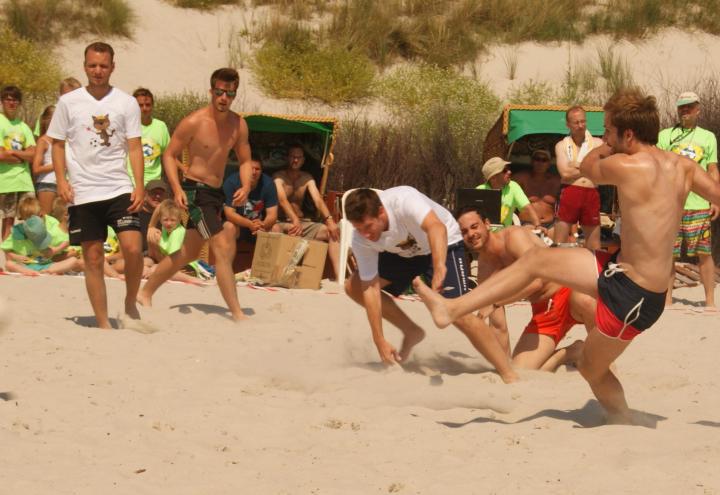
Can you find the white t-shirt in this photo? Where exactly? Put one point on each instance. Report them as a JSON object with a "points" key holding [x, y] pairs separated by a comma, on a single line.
{"points": [[47, 177], [406, 209], [96, 132]]}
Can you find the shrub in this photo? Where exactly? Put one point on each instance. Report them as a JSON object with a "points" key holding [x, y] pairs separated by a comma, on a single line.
{"points": [[202, 4], [27, 65], [51, 20], [173, 108]]}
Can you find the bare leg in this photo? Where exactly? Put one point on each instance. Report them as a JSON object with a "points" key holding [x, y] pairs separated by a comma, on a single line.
{"points": [[532, 351], [484, 340], [592, 236], [707, 277], [671, 285], [412, 333], [334, 254], [46, 199], [12, 266], [572, 267], [93, 259], [170, 265], [223, 247], [498, 323], [131, 247], [598, 354], [562, 232], [7, 224], [566, 355], [66, 265]]}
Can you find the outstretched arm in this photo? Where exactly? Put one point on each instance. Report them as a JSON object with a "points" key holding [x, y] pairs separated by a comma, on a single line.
{"points": [[438, 240], [172, 158]]}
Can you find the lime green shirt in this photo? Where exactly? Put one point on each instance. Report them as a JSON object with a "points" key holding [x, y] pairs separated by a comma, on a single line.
{"points": [[699, 145], [155, 138], [25, 247], [171, 242], [15, 135], [512, 198]]}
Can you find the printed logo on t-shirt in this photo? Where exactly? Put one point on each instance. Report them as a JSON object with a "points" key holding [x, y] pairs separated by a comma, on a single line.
{"points": [[151, 150], [101, 127], [14, 141], [409, 245], [253, 209], [689, 150]]}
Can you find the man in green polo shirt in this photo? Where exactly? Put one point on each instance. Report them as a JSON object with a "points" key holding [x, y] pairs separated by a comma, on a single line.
{"points": [[155, 136], [17, 148], [688, 139], [512, 198]]}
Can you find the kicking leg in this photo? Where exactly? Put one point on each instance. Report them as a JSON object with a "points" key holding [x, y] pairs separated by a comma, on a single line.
{"points": [[223, 248], [482, 337]]}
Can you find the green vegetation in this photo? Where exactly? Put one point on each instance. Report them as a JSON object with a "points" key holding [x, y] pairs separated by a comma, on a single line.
{"points": [[296, 9], [51, 20], [27, 65], [174, 107], [202, 4]]}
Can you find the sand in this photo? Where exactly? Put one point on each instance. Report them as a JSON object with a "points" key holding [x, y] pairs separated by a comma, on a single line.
{"points": [[294, 402]]}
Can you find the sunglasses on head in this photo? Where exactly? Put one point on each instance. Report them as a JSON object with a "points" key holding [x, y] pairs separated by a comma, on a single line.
{"points": [[219, 92]]}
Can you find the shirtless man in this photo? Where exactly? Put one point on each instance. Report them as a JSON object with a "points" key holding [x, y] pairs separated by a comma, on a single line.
{"points": [[630, 286], [579, 199], [555, 309], [208, 134], [542, 189], [292, 184]]}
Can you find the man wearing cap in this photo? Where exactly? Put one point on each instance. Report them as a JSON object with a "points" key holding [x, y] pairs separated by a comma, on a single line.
{"points": [[497, 176], [541, 187], [579, 199], [688, 139]]}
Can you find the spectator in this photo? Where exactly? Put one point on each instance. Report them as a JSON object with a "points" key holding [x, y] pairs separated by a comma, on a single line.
{"points": [[17, 149], [155, 136], [260, 211], [66, 85], [497, 176], [42, 166], [541, 187], [700, 145]]}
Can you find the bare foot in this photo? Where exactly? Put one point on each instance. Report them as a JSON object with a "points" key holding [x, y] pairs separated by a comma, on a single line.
{"points": [[131, 310], [509, 377], [237, 317], [411, 339], [144, 300], [574, 351], [434, 302], [620, 419]]}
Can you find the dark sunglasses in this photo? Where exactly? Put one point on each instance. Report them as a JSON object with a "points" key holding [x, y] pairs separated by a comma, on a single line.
{"points": [[541, 159], [219, 92]]}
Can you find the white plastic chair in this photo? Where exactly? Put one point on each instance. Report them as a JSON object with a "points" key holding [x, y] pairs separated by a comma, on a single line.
{"points": [[346, 230]]}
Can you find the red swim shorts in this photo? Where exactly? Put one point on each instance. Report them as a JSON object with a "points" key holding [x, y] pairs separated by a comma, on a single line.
{"points": [[552, 317], [579, 204]]}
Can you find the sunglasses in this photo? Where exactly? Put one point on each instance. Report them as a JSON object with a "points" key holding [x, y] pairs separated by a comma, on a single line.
{"points": [[219, 92], [541, 159]]}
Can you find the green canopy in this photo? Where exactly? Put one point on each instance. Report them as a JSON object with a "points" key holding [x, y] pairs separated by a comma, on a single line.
{"points": [[269, 123], [524, 122]]}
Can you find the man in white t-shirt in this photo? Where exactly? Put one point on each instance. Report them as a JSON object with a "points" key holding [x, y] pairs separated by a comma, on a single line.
{"points": [[399, 234], [101, 126]]}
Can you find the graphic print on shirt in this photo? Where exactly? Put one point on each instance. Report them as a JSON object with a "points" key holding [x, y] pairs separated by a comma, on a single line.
{"points": [[689, 150], [409, 245], [101, 126], [14, 141]]}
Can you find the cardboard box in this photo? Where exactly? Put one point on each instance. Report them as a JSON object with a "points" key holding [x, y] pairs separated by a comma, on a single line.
{"points": [[285, 261]]}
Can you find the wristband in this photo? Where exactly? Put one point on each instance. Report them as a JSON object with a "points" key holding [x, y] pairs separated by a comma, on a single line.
{"points": [[327, 218]]}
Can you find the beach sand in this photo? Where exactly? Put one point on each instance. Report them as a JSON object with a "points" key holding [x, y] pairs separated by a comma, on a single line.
{"points": [[294, 401]]}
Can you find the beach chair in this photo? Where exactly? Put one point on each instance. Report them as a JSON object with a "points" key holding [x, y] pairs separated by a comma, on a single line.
{"points": [[346, 230]]}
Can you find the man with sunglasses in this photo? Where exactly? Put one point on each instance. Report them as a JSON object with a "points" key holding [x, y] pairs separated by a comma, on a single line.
{"points": [[700, 145], [497, 174], [208, 134], [541, 187]]}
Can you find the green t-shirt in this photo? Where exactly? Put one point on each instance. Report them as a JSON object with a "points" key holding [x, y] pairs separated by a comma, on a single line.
{"points": [[512, 198], [25, 247], [171, 242], [697, 144], [15, 135], [155, 138]]}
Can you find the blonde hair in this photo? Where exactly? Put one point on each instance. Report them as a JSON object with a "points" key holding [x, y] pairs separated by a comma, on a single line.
{"points": [[170, 208], [59, 209], [68, 84], [45, 119], [28, 207]]}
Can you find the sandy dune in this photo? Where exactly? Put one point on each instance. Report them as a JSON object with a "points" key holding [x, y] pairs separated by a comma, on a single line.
{"points": [[289, 404]]}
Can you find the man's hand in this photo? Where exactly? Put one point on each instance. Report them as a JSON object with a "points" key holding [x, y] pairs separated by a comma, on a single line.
{"points": [[388, 353], [136, 198], [181, 198], [65, 191], [240, 196], [438, 279], [256, 226], [333, 229], [296, 228], [714, 211]]}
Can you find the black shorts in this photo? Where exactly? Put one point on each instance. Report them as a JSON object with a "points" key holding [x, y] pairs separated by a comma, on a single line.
{"points": [[400, 271], [89, 221], [206, 207]]}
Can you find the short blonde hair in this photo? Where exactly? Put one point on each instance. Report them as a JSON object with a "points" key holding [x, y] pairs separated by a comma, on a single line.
{"points": [[170, 207], [27, 207], [59, 209]]}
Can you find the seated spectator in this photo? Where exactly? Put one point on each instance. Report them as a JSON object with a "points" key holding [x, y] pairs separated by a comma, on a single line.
{"points": [[260, 211], [292, 186], [541, 187], [156, 191], [37, 244], [497, 176]]}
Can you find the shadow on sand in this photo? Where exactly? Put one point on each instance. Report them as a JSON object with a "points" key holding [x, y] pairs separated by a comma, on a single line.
{"points": [[91, 322], [209, 309], [591, 415]]}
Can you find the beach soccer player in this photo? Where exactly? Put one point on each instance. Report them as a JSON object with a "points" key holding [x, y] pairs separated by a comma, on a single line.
{"points": [[629, 286], [101, 126], [401, 233], [555, 309], [209, 134]]}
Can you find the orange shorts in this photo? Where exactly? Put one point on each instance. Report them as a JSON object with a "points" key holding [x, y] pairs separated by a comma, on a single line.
{"points": [[552, 316]]}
